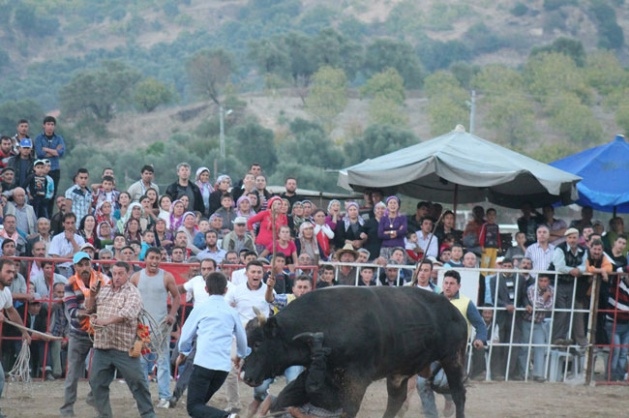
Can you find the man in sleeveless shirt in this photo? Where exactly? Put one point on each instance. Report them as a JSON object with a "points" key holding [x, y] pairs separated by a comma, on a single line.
{"points": [[154, 285]]}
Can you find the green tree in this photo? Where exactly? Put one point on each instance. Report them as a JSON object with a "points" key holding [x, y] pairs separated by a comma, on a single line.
{"points": [[151, 93], [385, 111], [572, 48], [255, 144], [387, 84], [511, 112], [604, 72], [12, 111], [98, 93], [331, 48], [574, 118], [388, 53], [328, 96], [309, 145], [447, 106], [377, 140], [550, 74], [622, 117], [209, 71]]}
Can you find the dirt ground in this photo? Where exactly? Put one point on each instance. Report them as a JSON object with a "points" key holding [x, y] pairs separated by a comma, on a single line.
{"points": [[484, 399]]}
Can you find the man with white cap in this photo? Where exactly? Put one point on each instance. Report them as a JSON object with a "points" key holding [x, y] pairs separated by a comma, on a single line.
{"points": [[569, 260], [238, 239], [80, 287]]}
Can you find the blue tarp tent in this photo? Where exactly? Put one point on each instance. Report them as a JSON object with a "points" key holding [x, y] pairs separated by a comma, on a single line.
{"points": [[605, 173]]}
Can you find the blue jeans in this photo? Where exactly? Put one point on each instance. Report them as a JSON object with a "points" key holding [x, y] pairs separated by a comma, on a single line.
{"points": [[540, 336], [163, 369], [203, 385], [104, 365], [618, 363], [291, 373], [426, 394]]}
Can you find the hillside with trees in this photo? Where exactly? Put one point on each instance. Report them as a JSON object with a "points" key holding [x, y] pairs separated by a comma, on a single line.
{"points": [[307, 87]]}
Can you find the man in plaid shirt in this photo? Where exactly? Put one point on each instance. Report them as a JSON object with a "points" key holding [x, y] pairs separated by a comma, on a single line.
{"points": [[117, 308]]}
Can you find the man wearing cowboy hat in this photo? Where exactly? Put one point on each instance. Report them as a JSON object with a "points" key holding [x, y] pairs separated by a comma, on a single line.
{"points": [[347, 274]]}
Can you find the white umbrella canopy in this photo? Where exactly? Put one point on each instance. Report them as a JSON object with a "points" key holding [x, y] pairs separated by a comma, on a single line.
{"points": [[459, 167]]}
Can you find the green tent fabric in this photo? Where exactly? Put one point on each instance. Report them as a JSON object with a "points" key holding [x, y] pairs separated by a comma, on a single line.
{"points": [[459, 167]]}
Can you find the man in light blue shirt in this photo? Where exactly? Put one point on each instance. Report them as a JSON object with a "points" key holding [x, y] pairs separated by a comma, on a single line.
{"points": [[213, 324]]}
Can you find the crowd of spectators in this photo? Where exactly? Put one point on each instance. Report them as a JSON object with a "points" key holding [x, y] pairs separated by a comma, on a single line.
{"points": [[194, 219]]}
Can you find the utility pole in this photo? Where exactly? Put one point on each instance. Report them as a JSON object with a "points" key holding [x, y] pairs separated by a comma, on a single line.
{"points": [[221, 121], [472, 111]]}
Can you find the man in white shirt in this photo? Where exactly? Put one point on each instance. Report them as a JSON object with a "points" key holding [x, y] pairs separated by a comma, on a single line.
{"points": [[65, 244], [195, 290], [426, 240], [138, 189], [244, 298]]}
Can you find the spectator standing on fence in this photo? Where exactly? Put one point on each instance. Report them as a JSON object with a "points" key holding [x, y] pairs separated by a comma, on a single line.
{"points": [[542, 251], [155, 285], [81, 331], [506, 291], [599, 265], [569, 261], [534, 330]]}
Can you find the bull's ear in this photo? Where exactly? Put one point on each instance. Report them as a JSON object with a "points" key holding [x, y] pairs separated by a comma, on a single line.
{"points": [[272, 328]]}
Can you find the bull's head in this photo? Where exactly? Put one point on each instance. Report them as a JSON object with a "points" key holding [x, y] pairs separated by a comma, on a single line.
{"points": [[271, 350]]}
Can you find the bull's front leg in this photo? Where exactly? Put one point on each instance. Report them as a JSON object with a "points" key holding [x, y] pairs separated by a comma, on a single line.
{"points": [[352, 394], [397, 390], [453, 367]]}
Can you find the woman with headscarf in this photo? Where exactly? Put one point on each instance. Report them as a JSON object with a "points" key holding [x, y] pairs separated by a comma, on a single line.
{"points": [[307, 243], [392, 227], [133, 211], [103, 213], [132, 230], [323, 233], [350, 229], [223, 183], [205, 186], [334, 214], [374, 242], [243, 207], [175, 220], [105, 233], [189, 227], [267, 226], [296, 218]]}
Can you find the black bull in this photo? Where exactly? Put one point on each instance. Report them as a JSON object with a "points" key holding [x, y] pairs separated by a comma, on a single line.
{"points": [[372, 333]]}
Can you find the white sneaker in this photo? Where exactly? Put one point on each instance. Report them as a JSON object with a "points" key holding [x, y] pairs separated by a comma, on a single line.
{"points": [[233, 416], [163, 403]]}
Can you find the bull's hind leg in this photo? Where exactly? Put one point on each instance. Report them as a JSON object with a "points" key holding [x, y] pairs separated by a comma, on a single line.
{"points": [[397, 390], [453, 367]]}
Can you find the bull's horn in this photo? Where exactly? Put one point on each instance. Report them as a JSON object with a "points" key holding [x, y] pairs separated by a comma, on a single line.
{"points": [[261, 318], [303, 335]]}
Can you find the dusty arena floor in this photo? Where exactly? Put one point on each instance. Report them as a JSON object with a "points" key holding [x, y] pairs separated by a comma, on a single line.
{"points": [[485, 399]]}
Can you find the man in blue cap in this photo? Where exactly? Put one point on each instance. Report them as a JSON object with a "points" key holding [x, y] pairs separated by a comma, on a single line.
{"points": [[83, 284]]}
